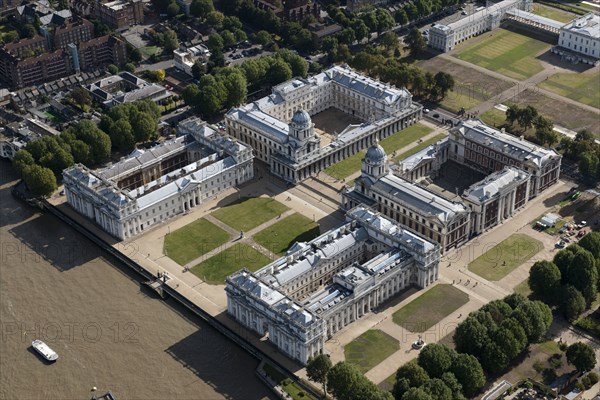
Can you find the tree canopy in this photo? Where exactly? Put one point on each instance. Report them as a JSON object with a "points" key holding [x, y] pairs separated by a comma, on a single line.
{"points": [[582, 356]]}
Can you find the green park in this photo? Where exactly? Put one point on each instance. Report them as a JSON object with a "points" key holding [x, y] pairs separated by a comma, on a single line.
{"points": [[370, 348], [193, 241], [248, 213]]}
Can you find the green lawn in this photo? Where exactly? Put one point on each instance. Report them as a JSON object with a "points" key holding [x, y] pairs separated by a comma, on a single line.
{"points": [[404, 137], [506, 52], [370, 348], [346, 167], [290, 387], [283, 234], [387, 385], [523, 288], [250, 212], [553, 13], [500, 260], [430, 308], [193, 240], [584, 88], [53, 117], [458, 98], [419, 147], [218, 267], [149, 50], [493, 117], [390, 144]]}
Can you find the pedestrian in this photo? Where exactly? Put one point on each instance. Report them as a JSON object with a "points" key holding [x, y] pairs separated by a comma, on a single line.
{"points": [[459, 315], [453, 281], [460, 280]]}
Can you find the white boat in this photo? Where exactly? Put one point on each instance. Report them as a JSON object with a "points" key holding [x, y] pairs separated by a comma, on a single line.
{"points": [[44, 350]]}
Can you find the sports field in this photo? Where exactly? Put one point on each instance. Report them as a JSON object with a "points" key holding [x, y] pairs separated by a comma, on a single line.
{"points": [[507, 255], [506, 52], [193, 240], [280, 236], [370, 348], [430, 308], [218, 267], [581, 87], [250, 212]]}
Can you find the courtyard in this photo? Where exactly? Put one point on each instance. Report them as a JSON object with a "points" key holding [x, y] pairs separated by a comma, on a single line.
{"points": [[194, 240], [370, 348], [249, 212], [509, 53], [333, 121], [453, 179]]}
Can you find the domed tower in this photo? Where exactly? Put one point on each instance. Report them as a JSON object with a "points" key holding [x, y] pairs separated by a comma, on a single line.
{"points": [[301, 127], [374, 164]]}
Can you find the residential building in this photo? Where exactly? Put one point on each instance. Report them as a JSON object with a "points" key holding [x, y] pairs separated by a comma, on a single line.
{"points": [[101, 51], [304, 298], [446, 37], [73, 30], [151, 186], [124, 88], [119, 14], [280, 129], [579, 40], [185, 59]]}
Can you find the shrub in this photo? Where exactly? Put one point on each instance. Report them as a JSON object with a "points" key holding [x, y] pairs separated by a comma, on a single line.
{"points": [[550, 375], [593, 378], [538, 366], [563, 346], [555, 361]]}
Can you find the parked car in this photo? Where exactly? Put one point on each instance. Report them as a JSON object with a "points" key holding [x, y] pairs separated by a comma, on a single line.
{"points": [[560, 244]]}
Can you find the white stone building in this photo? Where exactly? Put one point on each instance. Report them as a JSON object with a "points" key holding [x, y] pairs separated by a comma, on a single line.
{"points": [[280, 130], [446, 37], [318, 288], [579, 40], [185, 59], [151, 186], [516, 170]]}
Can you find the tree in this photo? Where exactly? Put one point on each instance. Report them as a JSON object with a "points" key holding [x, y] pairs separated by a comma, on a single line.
{"points": [[262, 37], [215, 18], [135, 56], [591, 242], [22, 160], [526, 117], [563, 260], [212, 95], [346, 382], [572, 303], [583, 274], [470, 336], [582, 356], [81, 96], [452, 383], [215, 42], [236, 86], [144, 127], [99, 142], [469, 373], [112, 69], [444, 82], [190, 95], [512, 113], [170, 41], [317, 370], [121, 134], [437, 389], [588, 165], [413, 373], [436, 359], [279, 71], [417, 394], [544, 130], [493, 359], [504, 338], [361, 30], [201, 8], [28, 31], [129, 67], [232, 23], [228, 38], [173, 9], [390, 40], [401, 17], [544, 279], [198, 69], [385, 20], [415, 42], [40, 181]]}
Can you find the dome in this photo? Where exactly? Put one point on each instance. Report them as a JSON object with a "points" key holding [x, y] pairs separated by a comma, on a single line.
{"points": [[375, 154], [301, 118]]}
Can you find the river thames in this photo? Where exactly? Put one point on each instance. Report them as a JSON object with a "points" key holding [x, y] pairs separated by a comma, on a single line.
{"points": [[108, 331]]}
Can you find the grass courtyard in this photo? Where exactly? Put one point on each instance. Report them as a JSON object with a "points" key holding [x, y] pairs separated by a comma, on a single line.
{"points": [[419, 147], [506, 52], [581, 87], [507, 255], [193, 240], [430, 308], [281, 235], [214, 270], [370, 348], [250, 212], [390, 144], [553, 13], [493, 117]]}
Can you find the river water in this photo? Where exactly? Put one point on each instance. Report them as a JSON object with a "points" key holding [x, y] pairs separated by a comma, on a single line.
{"points": [[108, 331]]}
